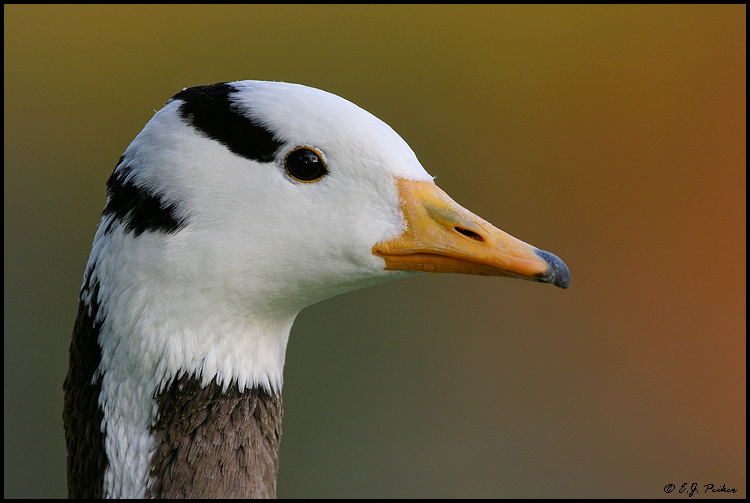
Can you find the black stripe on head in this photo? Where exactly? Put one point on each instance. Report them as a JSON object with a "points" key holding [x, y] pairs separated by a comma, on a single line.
{"points": [[139, 209], [210, 110]]}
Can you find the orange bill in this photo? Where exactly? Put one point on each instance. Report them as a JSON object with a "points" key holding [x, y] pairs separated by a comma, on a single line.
{"points": [[442, 236]]}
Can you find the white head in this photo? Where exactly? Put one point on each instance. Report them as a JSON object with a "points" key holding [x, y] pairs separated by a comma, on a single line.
{"points": [[237, 206], [255, 245]]}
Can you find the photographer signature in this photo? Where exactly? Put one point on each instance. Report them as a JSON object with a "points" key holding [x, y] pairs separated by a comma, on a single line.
{"points": [[694, 488]]}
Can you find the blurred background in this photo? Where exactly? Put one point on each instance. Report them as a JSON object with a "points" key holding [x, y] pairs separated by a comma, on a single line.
{"points": [[614, 137]]}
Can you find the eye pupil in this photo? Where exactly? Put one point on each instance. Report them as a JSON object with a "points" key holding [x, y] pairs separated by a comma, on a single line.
{"points": [[305, 165]]}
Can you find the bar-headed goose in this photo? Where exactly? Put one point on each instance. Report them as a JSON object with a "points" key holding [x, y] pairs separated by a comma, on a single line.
{"points": [[238, 205]]}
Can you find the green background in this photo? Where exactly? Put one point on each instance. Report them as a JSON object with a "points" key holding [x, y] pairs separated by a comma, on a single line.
{"points": [[614, 137]]}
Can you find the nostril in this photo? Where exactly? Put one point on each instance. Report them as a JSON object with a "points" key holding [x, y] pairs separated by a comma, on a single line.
{"points": [[470, 234]]}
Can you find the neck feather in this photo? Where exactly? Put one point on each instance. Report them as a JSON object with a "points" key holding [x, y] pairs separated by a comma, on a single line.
{"points": [[178, 414], [215, 443]]}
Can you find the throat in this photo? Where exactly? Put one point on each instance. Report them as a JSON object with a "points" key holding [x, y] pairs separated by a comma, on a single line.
{"points": [[215, 443], [169, 399]]}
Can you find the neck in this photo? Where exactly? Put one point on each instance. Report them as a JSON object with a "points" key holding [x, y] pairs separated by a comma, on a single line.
{"points": [[207, 442], [212, 443], [142, 423]]}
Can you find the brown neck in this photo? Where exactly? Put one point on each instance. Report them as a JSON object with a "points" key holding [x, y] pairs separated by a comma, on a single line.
{"points": [[82, 416], [208, 443], [211, 443]]}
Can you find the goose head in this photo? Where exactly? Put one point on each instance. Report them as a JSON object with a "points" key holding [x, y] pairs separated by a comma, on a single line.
{"points": [[238, 205]]}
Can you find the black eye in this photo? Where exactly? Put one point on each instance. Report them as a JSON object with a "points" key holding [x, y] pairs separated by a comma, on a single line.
{"points": [[304, 164]]}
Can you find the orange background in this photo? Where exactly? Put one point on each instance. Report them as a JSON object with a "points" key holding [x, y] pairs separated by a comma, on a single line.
{"points": [[614, 137]]}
